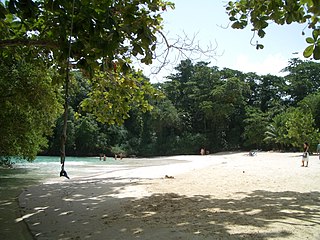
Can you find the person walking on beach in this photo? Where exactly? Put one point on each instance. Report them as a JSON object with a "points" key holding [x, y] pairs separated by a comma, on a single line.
{"points": [[318, 150], [305, 156]]}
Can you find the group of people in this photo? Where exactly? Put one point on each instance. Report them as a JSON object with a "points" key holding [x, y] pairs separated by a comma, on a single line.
{"points": [[305, 155], [203, 151], [116, 156]]}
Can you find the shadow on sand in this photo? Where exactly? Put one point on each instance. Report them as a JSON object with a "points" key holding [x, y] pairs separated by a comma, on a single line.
{"points": [[12, 182], [99, 210]]}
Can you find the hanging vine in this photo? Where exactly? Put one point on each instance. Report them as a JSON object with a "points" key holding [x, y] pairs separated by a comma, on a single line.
{"points": [[63, 172]]}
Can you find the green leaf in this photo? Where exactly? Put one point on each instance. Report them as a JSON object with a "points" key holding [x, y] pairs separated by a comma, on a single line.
{"points": [[309, 40], [137, 49], [264, 24], [316, 53], [289, 19], [259, 46], [243, 17], [315, 34], [261, 33], [308, 51], [16, 24], [237, 25]]}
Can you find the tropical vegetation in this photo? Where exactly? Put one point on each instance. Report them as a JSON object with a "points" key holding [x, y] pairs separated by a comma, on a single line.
{"points": [[203, 106], [68, 86]]}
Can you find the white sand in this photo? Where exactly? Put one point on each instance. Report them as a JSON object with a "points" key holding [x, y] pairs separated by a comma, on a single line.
{"points": [[222, 196]]}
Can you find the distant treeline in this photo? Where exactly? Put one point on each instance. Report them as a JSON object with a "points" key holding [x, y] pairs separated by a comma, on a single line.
{"points": [[200, 106]]}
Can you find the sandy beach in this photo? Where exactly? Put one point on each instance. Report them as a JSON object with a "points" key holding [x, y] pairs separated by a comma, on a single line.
{"points": [[219, 196]]}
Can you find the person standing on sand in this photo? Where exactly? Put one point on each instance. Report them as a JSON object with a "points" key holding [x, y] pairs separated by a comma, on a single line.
{"points": [[202, 151], [318, 150], [305, 156]]}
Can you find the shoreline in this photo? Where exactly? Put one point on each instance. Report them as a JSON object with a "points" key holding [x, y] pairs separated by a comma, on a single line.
{"points": [[226, 196], [21, 178], [121, 184]]}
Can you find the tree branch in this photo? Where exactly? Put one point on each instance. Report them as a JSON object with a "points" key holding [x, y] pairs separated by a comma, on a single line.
{"points": [[171, 50], [27, 42]]}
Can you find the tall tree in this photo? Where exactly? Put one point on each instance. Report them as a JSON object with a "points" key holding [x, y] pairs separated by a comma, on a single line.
{"points": [[190, 89], [86, 133], [29, 103], [303, 79], [255, 126], [228, 107], [272, 91], [312, 103]]}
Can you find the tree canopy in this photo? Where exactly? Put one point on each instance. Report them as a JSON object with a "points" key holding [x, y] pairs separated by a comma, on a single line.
{"points": [[104, 32], [100, 38], [30, 102], [218, 109], [261, 13], [200, 106]]}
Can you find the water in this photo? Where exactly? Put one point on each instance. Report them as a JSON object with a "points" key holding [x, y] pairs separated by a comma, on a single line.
{"points": [[44, 168], [47, 167]]}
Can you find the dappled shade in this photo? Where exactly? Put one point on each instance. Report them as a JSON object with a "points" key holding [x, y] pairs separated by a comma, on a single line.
{"points": [[165, 216]]}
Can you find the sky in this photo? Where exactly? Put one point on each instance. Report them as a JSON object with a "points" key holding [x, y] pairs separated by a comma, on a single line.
{"points": [[207, 21]]}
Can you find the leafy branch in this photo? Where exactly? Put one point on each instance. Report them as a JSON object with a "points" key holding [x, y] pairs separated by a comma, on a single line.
{"points": [[260, 13]]}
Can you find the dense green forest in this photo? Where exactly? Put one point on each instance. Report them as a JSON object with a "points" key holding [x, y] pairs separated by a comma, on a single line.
{"points": [[201, 106], [68, 85]]}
